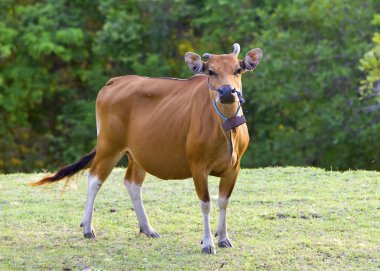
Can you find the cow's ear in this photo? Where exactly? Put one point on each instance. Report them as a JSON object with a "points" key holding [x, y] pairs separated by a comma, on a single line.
{"points": [[194, 62], [251, 59]]}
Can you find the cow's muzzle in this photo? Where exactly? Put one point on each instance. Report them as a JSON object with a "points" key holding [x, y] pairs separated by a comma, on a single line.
{"points": [[226, 94]]}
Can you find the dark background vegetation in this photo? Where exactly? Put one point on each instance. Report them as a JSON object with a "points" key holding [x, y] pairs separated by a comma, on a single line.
{"points": [[305, 102]]}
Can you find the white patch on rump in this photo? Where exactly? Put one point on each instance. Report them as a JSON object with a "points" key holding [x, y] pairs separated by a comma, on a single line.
{"points": [[97, 125]]}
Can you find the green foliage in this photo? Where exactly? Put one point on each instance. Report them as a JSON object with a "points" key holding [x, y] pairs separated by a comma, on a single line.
{"points": [[302, 105], [46, 83], [370, 64], [306, 110]]}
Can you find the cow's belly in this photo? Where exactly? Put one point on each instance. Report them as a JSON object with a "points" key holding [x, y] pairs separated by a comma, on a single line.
{"points": [[160, 162], [156, 139]]}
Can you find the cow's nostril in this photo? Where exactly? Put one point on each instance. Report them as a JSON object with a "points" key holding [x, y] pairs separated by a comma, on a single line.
{"points": [[226, 94], [225, 89]]}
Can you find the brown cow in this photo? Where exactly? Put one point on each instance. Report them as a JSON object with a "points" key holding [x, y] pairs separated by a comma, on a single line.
{"points": [[172, 129]]}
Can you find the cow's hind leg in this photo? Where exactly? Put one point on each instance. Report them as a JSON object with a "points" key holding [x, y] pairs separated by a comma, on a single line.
{"points": [[102, 166], [133, 181], [226, 186], [201, 186]]}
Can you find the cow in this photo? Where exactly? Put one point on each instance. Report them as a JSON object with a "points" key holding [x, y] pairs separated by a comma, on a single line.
{"points": [[172, 129]]}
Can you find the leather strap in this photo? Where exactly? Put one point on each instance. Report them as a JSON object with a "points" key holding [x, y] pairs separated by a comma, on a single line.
{"points": [[233, 122]]}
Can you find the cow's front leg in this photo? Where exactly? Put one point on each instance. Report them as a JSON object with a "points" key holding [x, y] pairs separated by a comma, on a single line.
{"points": [[226, 186], [201, 186], [223, 240], [207, 241]]}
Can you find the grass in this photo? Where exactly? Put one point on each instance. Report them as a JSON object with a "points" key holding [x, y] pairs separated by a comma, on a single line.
{"points": [[278, 219]]}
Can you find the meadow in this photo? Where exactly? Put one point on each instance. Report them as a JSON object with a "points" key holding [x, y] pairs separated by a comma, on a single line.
{"points": [[288, 218]]}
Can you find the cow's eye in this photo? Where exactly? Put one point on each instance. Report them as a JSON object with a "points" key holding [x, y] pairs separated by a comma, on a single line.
{"points": [[238, 71], [211, 73]]}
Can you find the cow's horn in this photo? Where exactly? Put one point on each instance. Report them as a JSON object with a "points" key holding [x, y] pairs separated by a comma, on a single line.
{"points": [[207, 55], [236, 49]]}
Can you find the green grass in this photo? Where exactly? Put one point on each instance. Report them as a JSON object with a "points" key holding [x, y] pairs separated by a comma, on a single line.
{"points": [[278, 219]]}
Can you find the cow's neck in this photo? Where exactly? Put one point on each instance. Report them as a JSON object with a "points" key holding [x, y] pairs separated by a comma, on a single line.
{"points": [[230, 115], [233, 113]]}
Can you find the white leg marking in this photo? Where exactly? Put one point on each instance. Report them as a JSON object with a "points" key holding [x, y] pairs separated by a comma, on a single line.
{"points": [[222, 223], [134, 192], [94, 185], [207, 242]]}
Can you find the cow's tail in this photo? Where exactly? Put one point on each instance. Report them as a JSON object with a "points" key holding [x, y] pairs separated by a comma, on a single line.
{"points": [[69, 170]]}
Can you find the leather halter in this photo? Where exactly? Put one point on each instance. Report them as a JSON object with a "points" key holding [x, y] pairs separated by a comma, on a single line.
{"points": [[235, 121]]}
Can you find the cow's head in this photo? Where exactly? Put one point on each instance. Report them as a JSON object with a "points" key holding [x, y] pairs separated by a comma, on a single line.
{"points": [[224, 72]]}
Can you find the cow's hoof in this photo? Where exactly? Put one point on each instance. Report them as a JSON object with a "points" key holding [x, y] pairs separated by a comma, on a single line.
{"points": [[90, 235], [209, 249], [150, 233], [225, 243]]}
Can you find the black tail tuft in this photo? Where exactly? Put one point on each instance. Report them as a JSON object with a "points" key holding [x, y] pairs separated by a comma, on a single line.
{"points": [[69, 170]]}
